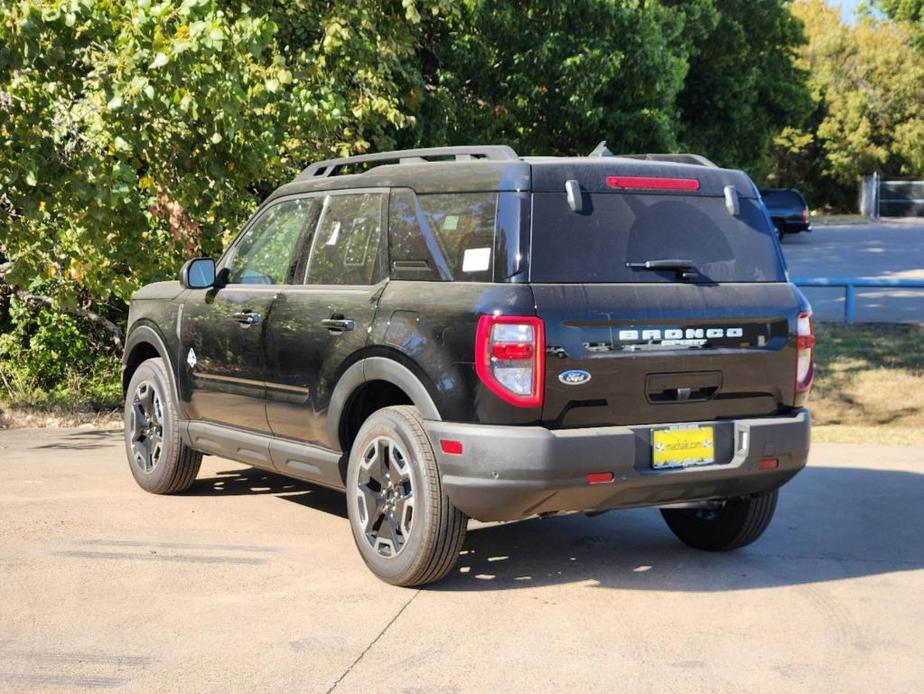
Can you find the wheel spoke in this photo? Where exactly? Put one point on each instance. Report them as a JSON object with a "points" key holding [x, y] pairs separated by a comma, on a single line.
{"points": [[398, 467], [392, 533], [385, 496]]}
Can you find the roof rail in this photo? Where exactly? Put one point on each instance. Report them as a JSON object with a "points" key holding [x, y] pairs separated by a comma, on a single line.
{"points": [[697, 159], [331, 167]]}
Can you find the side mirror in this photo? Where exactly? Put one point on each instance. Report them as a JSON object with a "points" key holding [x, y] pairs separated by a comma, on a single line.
{"points": [[198, 273]]}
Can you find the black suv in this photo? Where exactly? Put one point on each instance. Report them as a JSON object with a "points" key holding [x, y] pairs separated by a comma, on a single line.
{"points": [[788, 210], [459, 333]]}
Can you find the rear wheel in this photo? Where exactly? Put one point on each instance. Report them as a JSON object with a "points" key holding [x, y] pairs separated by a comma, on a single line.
{"points": [[405, 527], [159, 460], [727, 525]]}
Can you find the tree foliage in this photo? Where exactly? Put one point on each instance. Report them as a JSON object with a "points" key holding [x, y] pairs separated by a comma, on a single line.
{"points": [[743, 86], [552, 77], [867, 81]]}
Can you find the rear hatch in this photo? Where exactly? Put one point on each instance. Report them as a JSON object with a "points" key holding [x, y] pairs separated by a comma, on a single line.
{"points": [[705, 339]]}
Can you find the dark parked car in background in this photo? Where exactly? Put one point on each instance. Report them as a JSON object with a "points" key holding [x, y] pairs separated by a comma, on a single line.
{"points": [[788, 210]]}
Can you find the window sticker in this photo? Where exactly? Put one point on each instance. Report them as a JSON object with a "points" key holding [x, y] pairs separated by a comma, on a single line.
{"points": [[451, 222], [334, 235], [476, 260]]}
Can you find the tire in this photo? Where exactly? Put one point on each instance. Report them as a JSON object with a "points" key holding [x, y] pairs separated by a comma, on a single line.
{"points": [[391, 464], [738, 522], [159, 460]]}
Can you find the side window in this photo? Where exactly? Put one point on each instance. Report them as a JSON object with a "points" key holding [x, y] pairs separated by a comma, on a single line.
{"points": [[266, 254], [348, 240], [442, 236]]}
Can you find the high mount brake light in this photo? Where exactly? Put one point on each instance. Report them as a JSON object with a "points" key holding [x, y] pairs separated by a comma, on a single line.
{"points": [[805, 354], [651, 183], [510, 358]]}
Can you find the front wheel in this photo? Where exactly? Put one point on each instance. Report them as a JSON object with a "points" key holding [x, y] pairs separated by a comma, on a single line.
{"points": [[405, 527], [725, 526], [160, 462]]}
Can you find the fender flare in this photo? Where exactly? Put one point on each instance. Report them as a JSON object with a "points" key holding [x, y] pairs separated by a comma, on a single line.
{"points": [[377, 369], [148, 334]]}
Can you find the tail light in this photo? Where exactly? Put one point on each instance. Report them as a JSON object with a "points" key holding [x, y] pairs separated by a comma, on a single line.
{"points": [[805, 215], [652, 183], [510, 358], [805, 355]]}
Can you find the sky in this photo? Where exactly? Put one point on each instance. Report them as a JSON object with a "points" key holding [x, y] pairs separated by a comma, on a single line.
{"points": [[847, 5]]}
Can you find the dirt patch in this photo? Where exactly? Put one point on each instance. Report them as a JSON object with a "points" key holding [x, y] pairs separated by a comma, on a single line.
{"points": [[12, 417]]}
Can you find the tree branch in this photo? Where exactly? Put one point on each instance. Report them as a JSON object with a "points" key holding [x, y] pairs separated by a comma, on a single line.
{"points": [[37, 299]]}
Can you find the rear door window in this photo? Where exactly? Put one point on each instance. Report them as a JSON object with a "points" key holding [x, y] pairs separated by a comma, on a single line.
{"points": [[447, 237], [615, 229], [347, 246]]}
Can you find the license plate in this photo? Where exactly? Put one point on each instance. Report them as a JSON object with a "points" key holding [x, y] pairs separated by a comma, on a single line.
{"points": [[680, 447]]}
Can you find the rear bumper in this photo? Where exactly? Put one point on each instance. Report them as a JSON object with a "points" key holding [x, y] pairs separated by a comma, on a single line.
{"points": [[510, 472], [796, 226]]}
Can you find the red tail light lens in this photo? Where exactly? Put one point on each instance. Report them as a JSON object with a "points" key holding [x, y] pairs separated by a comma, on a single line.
{"points": [[651, 183], [805, 353], [510, 358], [805, 216]]}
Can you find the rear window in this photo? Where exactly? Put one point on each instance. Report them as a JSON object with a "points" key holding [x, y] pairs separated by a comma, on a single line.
{"points": [[448, 237], [782, 198], [615, 229]]}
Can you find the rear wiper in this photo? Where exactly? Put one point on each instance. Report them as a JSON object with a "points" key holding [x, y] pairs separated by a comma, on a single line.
{"points": [[665, 264], [685, 269]]}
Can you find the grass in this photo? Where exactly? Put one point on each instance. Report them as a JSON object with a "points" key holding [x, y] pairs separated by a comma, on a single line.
{"points": [[823, 219], [869, 383]]}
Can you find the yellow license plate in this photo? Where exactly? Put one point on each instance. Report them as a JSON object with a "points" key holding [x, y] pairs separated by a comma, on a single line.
{"points": [[682, 446]]}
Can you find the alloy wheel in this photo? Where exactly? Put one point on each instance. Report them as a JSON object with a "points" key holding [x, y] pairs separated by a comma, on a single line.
{"points": [[147, 426], [385, 496]]}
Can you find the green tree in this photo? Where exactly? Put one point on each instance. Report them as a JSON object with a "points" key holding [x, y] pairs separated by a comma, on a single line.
{"points": [[911, 11], [137, 134], [868, 84], [743, 87], [550, 77]]}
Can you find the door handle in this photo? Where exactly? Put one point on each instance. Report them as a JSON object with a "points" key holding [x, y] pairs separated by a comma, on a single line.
{"points": [[338, 325], [248, 317]]}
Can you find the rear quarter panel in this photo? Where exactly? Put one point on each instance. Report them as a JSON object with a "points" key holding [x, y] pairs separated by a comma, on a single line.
{"points": [[430, 327]]}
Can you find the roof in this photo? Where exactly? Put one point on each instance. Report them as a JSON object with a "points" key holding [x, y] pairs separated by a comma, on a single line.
{"points": [[474, 168]]}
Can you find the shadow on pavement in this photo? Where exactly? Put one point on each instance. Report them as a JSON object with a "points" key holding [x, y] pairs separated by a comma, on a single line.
{"points": [[831, 524], [254, 481], [87, 440]]}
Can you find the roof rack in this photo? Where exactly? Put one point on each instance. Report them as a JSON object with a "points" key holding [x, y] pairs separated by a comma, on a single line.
{"points": [[331, 167], [696, 159]]}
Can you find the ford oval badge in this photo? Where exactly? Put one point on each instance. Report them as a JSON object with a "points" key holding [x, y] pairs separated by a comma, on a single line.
{"points": [[574, 377]]}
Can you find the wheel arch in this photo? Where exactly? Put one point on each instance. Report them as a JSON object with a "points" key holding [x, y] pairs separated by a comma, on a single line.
{"points": [[145, 342], [368, 384]]}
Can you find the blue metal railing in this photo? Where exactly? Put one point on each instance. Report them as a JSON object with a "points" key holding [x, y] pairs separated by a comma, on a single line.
{"points": [[850, 285]]}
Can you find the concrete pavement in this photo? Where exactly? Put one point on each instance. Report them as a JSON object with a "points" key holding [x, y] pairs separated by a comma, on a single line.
{"points": [[892, 249], [250, 582]]}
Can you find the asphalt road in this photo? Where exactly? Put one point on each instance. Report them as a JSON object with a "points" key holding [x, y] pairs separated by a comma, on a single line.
{"points": [[885, 250], [250, 582]]}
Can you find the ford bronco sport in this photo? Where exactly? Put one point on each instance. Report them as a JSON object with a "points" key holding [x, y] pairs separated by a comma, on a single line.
{"points": [[460, 332]]}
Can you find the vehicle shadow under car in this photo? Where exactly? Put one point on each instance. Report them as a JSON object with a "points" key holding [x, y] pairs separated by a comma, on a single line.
{"points": [[832, 523]]}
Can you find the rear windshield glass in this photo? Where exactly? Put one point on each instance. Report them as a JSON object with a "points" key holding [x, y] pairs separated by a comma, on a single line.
{"points": [[615, 229], [782, 198]]}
